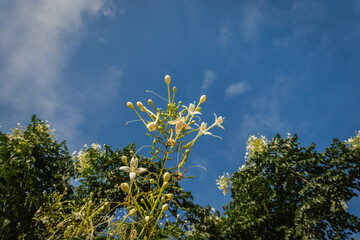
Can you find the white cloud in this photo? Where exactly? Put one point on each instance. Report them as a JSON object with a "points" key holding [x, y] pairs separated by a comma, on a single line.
{"points": [[236, 89], [263, 114], [226, 34], [103, 91], [35, 42], [252, 18], [209, 78]]}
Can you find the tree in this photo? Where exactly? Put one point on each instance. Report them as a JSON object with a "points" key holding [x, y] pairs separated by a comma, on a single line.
{"points": [[32, 163], [285, 191]]}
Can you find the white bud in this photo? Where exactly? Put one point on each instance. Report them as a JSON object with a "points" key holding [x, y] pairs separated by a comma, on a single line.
{"points": [[165, 207], [124, 159], [132, 212], [125, 187], [130, 105], [166, 177], [167, 79], [141, 106]]}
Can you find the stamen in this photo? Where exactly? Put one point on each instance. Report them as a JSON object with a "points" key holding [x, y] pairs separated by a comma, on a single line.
{"points": [[156, 95], [196, 166], [142, 148], [137, 120]]}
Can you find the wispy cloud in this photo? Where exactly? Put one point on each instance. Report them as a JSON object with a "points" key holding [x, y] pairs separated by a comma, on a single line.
{"points": [[209, 78], [263, 114], [225, 34], [252, 17], [103, 91], [35, 42], [235, 89]]}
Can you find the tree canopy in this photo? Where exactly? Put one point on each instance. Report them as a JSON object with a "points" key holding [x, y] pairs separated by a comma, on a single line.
{"points": [[32, 164], [283, 191], [286, 191]]}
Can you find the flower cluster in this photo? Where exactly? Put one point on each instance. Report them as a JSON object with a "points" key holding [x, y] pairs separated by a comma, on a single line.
{"points": [[255, 145], [224, 183], [354, 142], [83, 157]]}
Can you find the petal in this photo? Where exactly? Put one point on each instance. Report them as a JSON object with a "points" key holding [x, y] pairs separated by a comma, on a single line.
{"points": [[140, 170], [220, 126], [132, 176], [173, 122], [133, 163], [125, 169], [178, 128], [181, 125]]}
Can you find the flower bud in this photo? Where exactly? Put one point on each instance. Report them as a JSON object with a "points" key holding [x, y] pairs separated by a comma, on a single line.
{"points": [[165, 207], [166, 177], [150, 102], [141, 106], [124, 160], [152, 181], [162, 199], [167, 79], [130, 105], [181, 164], [202, 98], [169, 195], [147, 218], [132, 212], [174, 89], [125, 187]]}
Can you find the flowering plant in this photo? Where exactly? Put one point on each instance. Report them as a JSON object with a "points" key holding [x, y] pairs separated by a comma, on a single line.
{"points": [[152, 181]]}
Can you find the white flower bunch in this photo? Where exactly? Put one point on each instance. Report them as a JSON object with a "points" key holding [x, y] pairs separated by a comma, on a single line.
{"points": [[224, 183], [255, 145], [354, 142]]}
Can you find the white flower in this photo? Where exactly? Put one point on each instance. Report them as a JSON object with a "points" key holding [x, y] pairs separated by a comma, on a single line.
{"points": [[96, 146], [204, 130], [224, 183], [152, 125], [133, 169], [354, 142], [219, 121], [180, 124], [191, 109]]}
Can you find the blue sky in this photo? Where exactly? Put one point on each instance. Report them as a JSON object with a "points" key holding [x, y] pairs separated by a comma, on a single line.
{"points": [[267, 66]]}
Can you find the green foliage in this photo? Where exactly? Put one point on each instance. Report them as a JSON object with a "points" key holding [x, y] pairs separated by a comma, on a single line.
{"points": [[31, 163], [99, 174], [285, 191], [61, 218]]}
